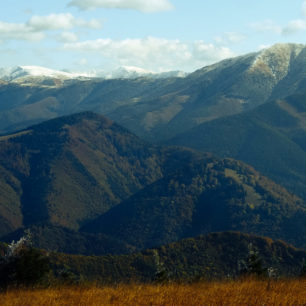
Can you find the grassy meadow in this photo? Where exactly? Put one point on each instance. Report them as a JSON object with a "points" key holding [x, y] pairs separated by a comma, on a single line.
{"points": [[247, 292]]}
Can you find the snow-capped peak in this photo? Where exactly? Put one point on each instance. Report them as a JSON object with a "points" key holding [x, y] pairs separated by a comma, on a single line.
{"points": [[42, 71], [15, 73], [134, 69], [132, 72], [126, 72]]}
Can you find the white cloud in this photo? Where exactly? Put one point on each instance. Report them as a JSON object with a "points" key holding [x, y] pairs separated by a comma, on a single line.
{"points": [[35, 27], [59, 22], [266, 26], [262, 47], [154, 53], [294, 26], [290, 28], [82, 62], [66, 37], [146, 6], [304, 8], [209, 52], [230, 38], [28, 11], [19, 32]]}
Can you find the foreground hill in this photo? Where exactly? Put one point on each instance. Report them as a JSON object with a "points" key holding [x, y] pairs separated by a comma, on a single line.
{"points": [[159, 109], [212, 256], [271, 138]]}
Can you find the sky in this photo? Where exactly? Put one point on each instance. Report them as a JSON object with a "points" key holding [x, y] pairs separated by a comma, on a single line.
{"points": [[156, 35]]}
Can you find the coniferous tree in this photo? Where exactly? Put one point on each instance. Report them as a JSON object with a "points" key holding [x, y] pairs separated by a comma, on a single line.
{"points": [[253, 264]]}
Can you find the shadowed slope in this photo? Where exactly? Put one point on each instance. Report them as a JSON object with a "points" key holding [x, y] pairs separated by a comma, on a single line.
{"points": [[71, 169], [208, 195]]}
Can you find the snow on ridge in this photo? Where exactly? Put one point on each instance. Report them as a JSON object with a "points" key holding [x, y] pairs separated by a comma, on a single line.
{"points": [[21, 72], [130, 72], [42, 71], [277, 59], [25, 73], [134, 69]]}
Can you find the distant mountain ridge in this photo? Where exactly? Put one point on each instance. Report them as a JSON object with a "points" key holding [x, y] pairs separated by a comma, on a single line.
{"points": [[33, 74], [159, 108], [22, 72]]}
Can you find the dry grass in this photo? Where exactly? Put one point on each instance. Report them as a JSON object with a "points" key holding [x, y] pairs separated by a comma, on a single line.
{"points": [[251, 292]]}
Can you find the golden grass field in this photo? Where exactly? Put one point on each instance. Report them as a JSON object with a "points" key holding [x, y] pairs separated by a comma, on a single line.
{"points": [[251, 292]]}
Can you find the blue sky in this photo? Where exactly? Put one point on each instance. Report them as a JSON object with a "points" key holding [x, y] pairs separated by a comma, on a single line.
{"points": [[157, 35]]}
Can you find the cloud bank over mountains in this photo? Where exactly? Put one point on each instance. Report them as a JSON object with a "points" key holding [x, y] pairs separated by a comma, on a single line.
{"points": [[152, 52], [156, 35]]}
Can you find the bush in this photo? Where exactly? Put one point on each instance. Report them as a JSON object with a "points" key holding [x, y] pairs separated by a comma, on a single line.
{"points": [[23, 265], [303, 270]]}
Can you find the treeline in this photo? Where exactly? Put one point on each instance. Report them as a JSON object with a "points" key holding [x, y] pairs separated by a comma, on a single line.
{"points": [[210, 257]]}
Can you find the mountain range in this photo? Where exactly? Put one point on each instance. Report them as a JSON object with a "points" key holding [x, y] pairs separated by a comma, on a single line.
{"points": [[41, 75], [163, 110], [87, 174], [159, 109], [219, 150]]}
